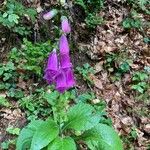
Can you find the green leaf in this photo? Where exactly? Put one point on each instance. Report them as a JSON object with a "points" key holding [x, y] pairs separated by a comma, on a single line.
{"points": [[102, 137], [126, 23], [4, 102], [81, 117], [26, 135], [124, 67], [7, 76], [66, 143], [2, 86], [51, 97], [46, 132], [143, 76], [5, 15], [13, 18], [140, 76], [81, 3], [13, 131], [31, 13], [85, 97], [1, 71], [138, 88], [146, 40], [9, 66]]}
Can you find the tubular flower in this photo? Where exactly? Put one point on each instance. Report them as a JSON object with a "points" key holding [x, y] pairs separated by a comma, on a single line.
{"points": [[49, 15], [61, 84], [65, 25], [65, 61], [69, 78], [48, 77], [65, 80], [63, 45], [52, 67]]}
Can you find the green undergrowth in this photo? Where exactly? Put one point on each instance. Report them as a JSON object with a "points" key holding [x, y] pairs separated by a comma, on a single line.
{"points": [[16, 17], [91, 9], [70, 122], [31, 56], [140, 5], [120, 64], [64, 118], [24, 64]]}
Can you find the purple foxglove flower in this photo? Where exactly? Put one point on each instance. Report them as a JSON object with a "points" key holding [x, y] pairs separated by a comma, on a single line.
{"points": [[61, 84], [63, 45], [65, 25], [52, 66], [69, 78], [65, 61], [49, 15], [52, 63], [48, 77]]}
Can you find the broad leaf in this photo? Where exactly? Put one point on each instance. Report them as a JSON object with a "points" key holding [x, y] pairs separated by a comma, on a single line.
{"points": [[4, 102], [25, 137], [81, 117], [46, 133], [51, 97], [102, 137], [66, 143]]}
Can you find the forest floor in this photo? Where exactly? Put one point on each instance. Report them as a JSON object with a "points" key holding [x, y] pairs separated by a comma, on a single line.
{"points": [[118, 55]]}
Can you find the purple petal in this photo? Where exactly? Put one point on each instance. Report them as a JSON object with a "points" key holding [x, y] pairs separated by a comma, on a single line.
{"points": [[63, 45], [51, 70], [61, 84], [48, 77], [65, 25], [52, 63], [50, 14], [69, 78], [65, 61]]}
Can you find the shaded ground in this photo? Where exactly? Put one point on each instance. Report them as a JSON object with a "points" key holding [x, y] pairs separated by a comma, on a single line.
{"points": [[124, 107]]}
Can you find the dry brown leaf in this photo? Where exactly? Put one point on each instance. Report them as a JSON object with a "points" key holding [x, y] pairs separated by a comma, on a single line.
{"points": [[98, 67], [147, 128], [97, 83]]}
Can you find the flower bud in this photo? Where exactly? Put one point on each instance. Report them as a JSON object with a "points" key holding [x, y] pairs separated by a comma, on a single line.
{"points": [[65, 25], [49, 15], [63, 45]]}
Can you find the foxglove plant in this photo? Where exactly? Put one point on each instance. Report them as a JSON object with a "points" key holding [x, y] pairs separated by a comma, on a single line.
{"points": [[60, 130], [60, 72]]}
